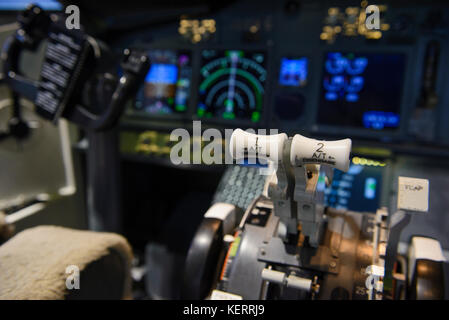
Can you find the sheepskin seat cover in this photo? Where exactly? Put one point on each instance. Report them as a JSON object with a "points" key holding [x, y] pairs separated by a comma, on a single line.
{"points": [[33, 264]]}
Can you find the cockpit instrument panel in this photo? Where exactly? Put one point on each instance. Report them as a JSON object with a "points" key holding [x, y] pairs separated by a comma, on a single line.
{"points": [[232, 85], [166, 89], [293, 72], [358, 189], [362, 90], [326, 75]]}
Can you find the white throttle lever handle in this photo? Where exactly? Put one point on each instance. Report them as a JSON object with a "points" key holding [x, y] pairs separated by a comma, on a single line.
{"points": [[245, 145], [332, 153]]}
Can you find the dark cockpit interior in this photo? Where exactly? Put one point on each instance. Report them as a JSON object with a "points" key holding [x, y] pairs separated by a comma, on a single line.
{"points": [[122, 118]]}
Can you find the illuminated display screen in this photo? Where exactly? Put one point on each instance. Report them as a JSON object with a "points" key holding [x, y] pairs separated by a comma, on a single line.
{"points": [[18, 5], [359, 189], [293, 72], [232, 85], [362, 90], [161, 73], [166, 89]]}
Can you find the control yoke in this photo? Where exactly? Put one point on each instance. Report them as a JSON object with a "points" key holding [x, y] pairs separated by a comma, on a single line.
{"points": [[299, 162], [72, 63]]}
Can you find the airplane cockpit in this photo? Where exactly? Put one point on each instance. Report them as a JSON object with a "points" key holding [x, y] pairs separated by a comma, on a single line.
{"points": [[224, 150]]}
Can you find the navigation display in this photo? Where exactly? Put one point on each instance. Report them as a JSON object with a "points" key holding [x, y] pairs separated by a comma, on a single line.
{"points": [[359, 189], [232, 85], [362, 90], [166, 89], [293, 72]]}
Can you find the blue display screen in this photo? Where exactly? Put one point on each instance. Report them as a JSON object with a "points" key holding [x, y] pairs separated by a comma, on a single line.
{"points": [[380, 119], [293, 72], [166, 89], [18, 5], [362, 90], [359, 189], [162, 73]]}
